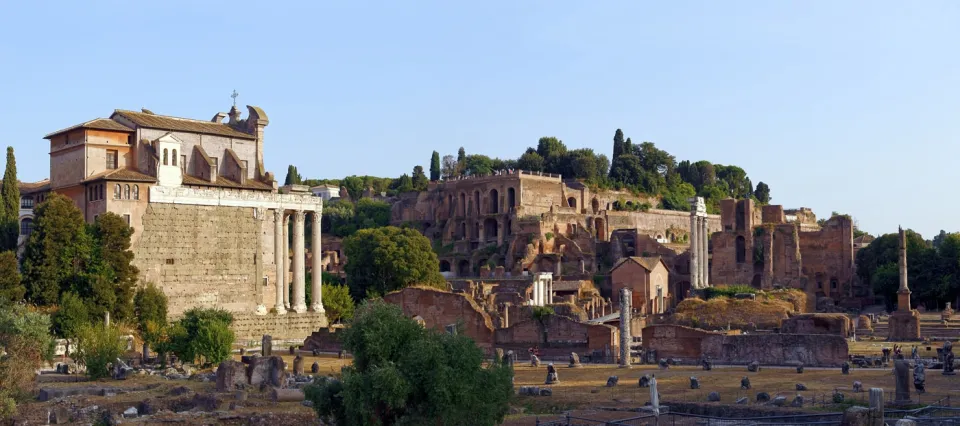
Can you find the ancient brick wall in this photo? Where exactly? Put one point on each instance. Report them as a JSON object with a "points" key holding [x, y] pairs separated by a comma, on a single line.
{"points": [[837, 324], [207, 256], [813, 350], [323, 339], [558, 334], [675, 341], [292, 326], [828, 257], [440, 309]]}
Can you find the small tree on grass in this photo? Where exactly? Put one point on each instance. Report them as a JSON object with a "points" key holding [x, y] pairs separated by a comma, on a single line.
{"points": [[405, 374], [337, 302], [150, 306], [98, 345], [202, 334], [70, 317]]}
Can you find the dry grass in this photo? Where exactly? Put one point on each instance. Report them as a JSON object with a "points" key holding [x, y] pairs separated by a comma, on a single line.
{"points": [[721, 311]]}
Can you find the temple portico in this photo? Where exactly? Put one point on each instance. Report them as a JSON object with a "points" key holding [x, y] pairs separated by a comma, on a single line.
{"points": [[292, 207], [699, 245]]}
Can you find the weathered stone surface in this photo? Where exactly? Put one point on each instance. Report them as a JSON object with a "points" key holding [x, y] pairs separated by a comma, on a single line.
{"points": [[753, 367], [47, 394], [644, 381], [694, 382], [266, 348], [268, 371], [856, 416], [441, 308], [837, 324], [777, 349], [779, 401], [801, 387], [745, 383], [231, 375], [315, 368], [742, 400], [797, 401], [713, 397], [575, 360], [298, 366], [763, 397], [287, 395], [612, 381]]}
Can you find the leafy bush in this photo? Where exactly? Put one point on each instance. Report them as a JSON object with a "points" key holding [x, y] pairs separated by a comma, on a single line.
{"points": [[337, 302], [150, 306], [201, 333], [541, 313], [97, 346], [71, 316], [26, 342], [404, 374]]}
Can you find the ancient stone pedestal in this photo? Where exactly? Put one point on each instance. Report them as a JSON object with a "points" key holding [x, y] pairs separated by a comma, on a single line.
{"points": [[904, 326], [901, 372]]}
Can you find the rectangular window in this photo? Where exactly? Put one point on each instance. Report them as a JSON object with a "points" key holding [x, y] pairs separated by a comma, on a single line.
{"points": [[216, 165], [111, 159], [26, 202], [126, 218], [183, 164], [26, 227]]}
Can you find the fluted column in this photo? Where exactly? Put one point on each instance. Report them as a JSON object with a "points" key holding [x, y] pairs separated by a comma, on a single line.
{"points": [[316, 283], [694, 249], [704, 253], [278, 258], [299, 270], [286, 261]]}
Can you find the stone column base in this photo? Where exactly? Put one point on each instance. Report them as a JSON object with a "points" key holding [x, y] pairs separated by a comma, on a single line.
{"points": [[904, 326]]}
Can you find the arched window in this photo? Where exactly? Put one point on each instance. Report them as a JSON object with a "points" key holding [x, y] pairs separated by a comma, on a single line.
{"points": [[174, 159], [126, 192], [136, 191], [26, 226], [116, 192], [164, 156]]}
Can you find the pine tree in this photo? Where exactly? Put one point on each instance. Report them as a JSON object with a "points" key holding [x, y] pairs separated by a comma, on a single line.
{"points": [[461, 161], [435, 166], [618, 144], [419, 180], [58, 251], [293, 177]]}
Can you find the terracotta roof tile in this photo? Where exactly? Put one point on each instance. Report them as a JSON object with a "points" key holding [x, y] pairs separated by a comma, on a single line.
{"points": [[125, 175], [163, 122], [647, 262], [31, 187], [96, 123], [223, 182]]}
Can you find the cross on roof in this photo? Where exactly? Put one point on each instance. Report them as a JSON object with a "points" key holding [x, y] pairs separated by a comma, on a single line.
{"points": [[234, 96]]}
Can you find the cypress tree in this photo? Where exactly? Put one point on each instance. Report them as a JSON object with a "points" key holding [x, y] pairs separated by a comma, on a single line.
{"points": [[435, 166], [10, 215], [461, 161], [618, 144]]}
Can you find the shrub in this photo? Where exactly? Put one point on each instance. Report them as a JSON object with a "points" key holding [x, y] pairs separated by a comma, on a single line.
{"points": [[337, 302], [540, 313], [150, 306], [70, 317], [201, 333], [727, 291], [26, 342], [97, 346]]}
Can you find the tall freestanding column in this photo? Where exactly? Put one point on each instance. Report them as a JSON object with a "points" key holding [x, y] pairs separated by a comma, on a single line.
{"points": [[903, 294], [625, 338], [316, 283], [704, 253], [286, 261], [694, 251], [299, 270], [278, 244]]}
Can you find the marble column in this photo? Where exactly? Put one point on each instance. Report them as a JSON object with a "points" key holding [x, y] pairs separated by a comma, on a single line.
{"points": [[286, 261], [704, 253], [694, 249], [278, 259], [299, 271], [316, 289], [625, 338]]}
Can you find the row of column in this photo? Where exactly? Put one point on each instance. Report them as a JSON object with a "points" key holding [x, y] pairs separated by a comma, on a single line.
{"points": [[699, 245], [282, 259], [542, 290]]}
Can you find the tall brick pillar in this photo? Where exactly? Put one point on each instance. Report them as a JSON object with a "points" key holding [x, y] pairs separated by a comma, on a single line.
{"points": [[299, 271], [278, 243], [316, 283]]}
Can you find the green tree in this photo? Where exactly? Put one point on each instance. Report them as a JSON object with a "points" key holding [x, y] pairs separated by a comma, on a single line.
{"points": [[435, 166], [151, 311], [762, 193], [202, 334], [461, 161], [11, 289], [449, 167], [71, 316], [57, 252], [27, 343], [354, 186], [99, 345], [403, 374], [9, 215], [389, 258], [478, 165], [337, 302], [419, 180], [111, 236], [293, 177], [618, 143], [403, 184], [530, 161]]}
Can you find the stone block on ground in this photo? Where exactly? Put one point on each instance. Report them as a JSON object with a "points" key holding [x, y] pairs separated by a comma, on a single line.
{"points": [[286, 395], [713, 397], [267, 371], [231, 375]]}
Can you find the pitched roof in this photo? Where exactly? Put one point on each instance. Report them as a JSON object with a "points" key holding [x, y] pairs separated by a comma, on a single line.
{"points": [[125, 175], [164, 122], [864, 239], [647, 262], [223, 182], [96, 123], [31, 187]]}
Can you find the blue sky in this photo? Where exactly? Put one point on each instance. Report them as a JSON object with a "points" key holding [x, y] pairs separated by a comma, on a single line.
{"points": [[851, 106]]}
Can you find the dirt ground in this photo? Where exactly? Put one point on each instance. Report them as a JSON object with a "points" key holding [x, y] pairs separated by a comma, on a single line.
{"points": [[581, 390]]}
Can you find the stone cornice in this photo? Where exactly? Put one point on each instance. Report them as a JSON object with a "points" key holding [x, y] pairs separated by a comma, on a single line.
{"points": [[233, 198]]}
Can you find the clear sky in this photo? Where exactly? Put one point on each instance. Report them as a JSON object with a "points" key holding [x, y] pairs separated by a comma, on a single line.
{"points": [[851, 106]]}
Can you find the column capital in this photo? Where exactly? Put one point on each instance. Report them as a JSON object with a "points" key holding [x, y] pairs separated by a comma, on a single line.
{"points": [[299, 215], [316, 216]]}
